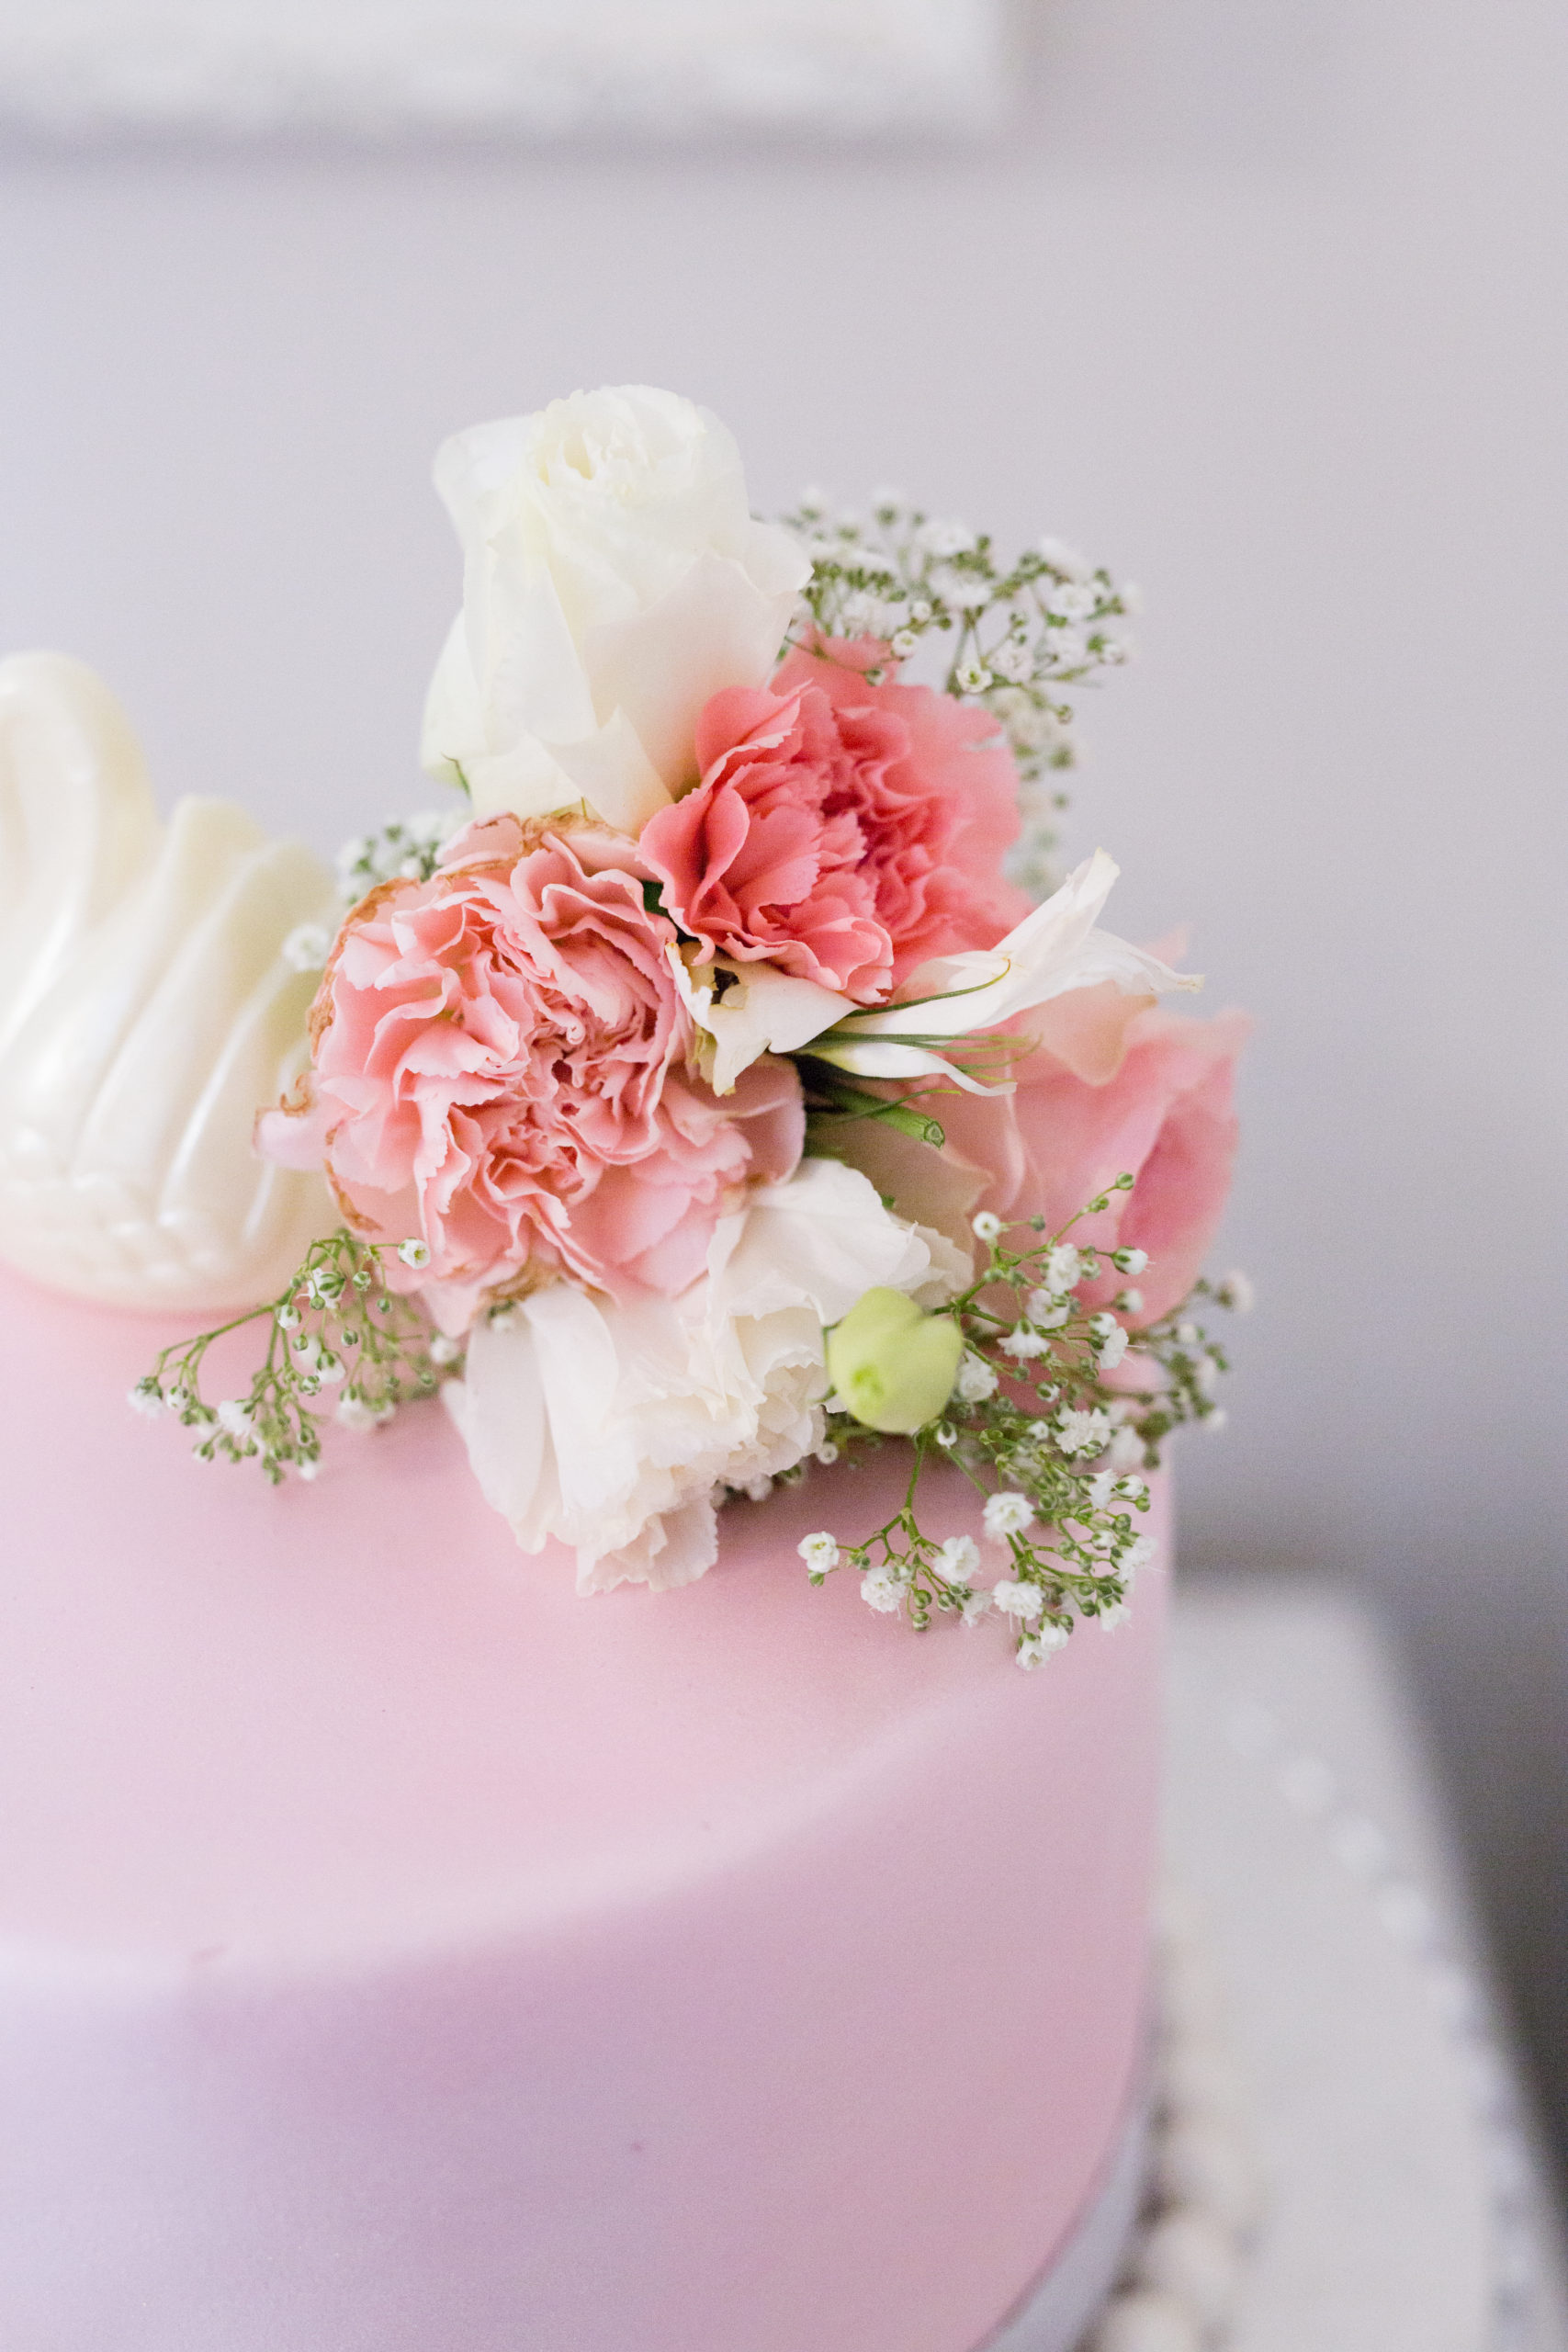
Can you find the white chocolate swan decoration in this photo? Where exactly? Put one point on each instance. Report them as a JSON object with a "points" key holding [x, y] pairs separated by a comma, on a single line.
{"points": [[146, 1014]]}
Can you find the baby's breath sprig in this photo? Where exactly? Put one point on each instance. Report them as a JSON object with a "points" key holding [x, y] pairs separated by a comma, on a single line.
{"points": [[1014, 636], [1055, 1445], [336, 1327], [402, 849]]}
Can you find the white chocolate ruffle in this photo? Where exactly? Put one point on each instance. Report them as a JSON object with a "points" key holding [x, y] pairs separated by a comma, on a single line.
{"points": [[146, 1014]]}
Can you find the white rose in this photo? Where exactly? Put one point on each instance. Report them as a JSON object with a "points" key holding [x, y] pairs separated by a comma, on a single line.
{"points": [[613, 580], [147, 1012], [607, 1427]]}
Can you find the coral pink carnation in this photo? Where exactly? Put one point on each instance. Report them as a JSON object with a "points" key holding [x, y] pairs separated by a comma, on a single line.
{"points": [[1117, 1084], [843, 831], [499, 1070]]}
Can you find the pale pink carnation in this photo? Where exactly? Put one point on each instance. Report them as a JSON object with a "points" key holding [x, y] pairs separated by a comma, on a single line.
{"points": [[842, 831], [500, 1069]]}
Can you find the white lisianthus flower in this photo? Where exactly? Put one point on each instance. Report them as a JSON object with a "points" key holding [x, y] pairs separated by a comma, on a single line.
{"points": [[1055, 949], [608, 1426], [613, 580]]}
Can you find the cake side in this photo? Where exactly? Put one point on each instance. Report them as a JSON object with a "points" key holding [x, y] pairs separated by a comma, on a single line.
{"points": [[399, 1951]]}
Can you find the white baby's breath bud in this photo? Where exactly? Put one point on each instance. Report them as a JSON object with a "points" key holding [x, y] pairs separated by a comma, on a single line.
{"points": [[234, 1417], [1129, 1261], [1069, 647], [958, 1559], [1072, 601], [882, 1592], [1131, 1302], [973, 677], [1115, 1614], [902, 643], [1237, 1292], [1112, 1348], [827, 1452], [287, 1317], [975, 1381], [309, 1467], [819, 1551], [1064, 1268], [1022, 1343], [756, 1490], [329, 1369], [986, 1225], [1036, 1648], [355, 1414], [976, 1606], [306, 947], [146, 1397], [1047, 1313], [1127, 1450], [414, 1252], [1066, 560], [1133, 1489], [1078, 1431], [1135, 1556], [445, 1350], [1102, 1488], [1012, 660], [1006, 1513], [1187, 1334], [1216, 1420], [944, 539], [946, 1434], [1016, 1597]]}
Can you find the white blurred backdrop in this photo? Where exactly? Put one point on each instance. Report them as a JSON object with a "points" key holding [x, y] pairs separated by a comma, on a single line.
{"points": [[1263, 306]]}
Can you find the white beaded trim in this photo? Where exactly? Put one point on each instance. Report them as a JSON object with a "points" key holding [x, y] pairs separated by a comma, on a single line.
{"points": [[1178, 2283], [1308, 1785]]}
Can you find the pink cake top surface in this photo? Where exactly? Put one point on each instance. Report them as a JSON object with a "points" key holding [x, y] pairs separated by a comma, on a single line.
{"points": [[257, 1724]]}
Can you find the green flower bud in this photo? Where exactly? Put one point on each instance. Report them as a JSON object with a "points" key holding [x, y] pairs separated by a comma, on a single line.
{"points": [[893, 1365]]}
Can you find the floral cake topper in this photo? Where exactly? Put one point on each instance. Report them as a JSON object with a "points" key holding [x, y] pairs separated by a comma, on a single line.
{"points": [[708, 1094]]}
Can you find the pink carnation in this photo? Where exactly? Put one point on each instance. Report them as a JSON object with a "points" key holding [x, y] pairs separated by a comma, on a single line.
{"points": [[1117, 1084], [844, 831], [500, 1069]]}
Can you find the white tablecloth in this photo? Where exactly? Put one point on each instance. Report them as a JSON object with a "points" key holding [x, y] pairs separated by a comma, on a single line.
{"points": [[1407, 2207]]}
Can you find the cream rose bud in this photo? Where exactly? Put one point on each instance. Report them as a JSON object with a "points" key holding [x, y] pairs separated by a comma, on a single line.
{"points": [[613, 580], [894, 1366]]}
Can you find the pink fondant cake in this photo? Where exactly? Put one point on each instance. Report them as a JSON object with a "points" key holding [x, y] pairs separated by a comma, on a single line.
{"points": [[398, 1953]]}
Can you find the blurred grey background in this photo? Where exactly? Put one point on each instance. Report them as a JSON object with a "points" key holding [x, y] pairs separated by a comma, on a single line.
{"points": [[1265, 306]]}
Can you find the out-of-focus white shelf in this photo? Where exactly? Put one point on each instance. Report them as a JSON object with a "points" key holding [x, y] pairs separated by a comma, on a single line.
{"points": [[1407, 2206], [540, 69]]}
